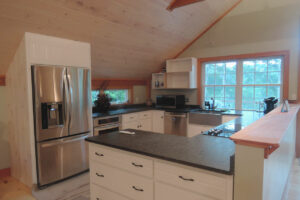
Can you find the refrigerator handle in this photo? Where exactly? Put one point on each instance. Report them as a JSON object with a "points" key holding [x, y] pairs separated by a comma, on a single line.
{"points": [[66, 100], [69, 93]]}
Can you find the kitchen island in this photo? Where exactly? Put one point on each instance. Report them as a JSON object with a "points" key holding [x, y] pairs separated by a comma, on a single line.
{"points": [[169, 166]]}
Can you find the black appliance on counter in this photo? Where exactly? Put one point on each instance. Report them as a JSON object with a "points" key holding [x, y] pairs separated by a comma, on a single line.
{"points": [[170, 101], [269, 104]]}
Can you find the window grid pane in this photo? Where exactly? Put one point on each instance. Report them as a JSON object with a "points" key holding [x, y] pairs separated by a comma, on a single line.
{"points": [[220, 83], [265, 76]]}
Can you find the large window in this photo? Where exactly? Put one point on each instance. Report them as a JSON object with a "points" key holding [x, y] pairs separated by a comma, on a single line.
{"points": [[242, 84]]}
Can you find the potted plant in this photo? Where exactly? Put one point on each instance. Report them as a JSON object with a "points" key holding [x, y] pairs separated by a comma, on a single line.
{"points": [[102, 104]]}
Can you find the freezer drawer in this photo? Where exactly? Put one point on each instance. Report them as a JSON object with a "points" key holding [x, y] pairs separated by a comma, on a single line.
{"points": [[61, 158]]}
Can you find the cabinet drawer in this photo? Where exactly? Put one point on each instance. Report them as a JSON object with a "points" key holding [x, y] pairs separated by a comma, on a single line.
{"points": [[124, 183], [145, 115], [99, 193], [129, 117], [217, 186], [165, 192], [122, 160]]}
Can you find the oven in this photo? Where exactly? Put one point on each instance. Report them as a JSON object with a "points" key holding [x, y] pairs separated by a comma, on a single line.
{"points": [[103, 125]]}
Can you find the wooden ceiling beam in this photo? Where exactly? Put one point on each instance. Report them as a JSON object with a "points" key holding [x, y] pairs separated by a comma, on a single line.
{"points": [[179, 3]]}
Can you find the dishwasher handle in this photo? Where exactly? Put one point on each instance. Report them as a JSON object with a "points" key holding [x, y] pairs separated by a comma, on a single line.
{"points": [[182, 115]]}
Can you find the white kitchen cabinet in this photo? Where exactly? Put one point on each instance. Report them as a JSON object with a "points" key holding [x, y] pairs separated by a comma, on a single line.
{"points": [[158, 121], [164, 192], [130, 125], [139, 120], [145, 125], [182, 73], [134, 176]]}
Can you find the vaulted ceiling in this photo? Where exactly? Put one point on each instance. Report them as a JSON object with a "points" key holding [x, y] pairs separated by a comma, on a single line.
{"points": [[129, 38]]}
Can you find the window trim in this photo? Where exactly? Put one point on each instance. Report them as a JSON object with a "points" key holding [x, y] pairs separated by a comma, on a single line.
{"points": [[285, 69]]}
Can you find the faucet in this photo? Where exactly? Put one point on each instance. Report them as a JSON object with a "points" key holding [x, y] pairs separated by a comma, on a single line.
{"points": [[213, 104]]}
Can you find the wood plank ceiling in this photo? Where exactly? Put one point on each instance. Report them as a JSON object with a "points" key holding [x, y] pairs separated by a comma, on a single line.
{"points": [[129, 38]]}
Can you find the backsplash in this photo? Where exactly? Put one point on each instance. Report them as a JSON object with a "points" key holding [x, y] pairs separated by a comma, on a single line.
{"points": [[190, 95]]}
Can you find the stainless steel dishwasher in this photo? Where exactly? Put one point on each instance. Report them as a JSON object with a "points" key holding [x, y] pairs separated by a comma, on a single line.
{"points": [[176, 123]]}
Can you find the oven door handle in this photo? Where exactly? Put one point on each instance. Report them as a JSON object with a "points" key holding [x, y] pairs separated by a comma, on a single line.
{"points": [[106, 127]]}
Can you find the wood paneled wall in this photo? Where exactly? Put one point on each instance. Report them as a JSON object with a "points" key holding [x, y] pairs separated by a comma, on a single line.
{"points": [[2, 80]]}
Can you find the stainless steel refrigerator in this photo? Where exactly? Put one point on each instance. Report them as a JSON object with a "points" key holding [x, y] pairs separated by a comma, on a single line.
{"points": [[61, 102]]}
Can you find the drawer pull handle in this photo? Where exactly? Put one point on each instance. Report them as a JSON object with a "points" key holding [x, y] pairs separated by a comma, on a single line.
{"points": [[100, 175], [186, 179], [99, 154], [137, 189], [136, 165], [97, 198]]}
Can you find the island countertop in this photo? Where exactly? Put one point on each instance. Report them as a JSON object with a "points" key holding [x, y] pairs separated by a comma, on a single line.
{"points": [[206, 152]]}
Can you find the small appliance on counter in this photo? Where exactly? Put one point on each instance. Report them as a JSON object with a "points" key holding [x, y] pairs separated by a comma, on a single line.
{"points": [[170, 101], [269, 104]]}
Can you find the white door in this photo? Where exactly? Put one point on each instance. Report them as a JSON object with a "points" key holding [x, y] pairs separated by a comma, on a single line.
{"points": [[158, 121]]}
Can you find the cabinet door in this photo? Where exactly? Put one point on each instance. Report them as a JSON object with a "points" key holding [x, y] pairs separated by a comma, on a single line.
{"points": [[158, 124], [146, 125], [130, 125], [164, 192]]}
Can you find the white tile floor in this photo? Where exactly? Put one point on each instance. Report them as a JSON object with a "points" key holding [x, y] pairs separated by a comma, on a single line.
{"points": [[77, 188]]}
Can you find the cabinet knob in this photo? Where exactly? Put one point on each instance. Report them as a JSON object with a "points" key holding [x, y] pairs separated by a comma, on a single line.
{"points": [[99, 154], [186, 179], [100, 175], [136, 165], [137, 189], [161, 117]]}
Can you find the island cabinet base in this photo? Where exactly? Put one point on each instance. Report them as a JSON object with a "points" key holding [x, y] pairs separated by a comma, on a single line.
{"points": [[117, 174]]}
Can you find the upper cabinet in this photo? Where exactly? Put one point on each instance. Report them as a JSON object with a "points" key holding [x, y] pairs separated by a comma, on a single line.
{"points": [[182, 73]]}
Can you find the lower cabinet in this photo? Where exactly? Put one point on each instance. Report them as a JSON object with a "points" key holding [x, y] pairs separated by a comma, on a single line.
{"points": [[121, 182], [140, 121], [166, 192], [147, 178], [158, 121], [99, 193]]}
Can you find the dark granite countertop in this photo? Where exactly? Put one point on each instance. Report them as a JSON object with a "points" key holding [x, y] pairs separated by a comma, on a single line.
{"points": [[144, 108], [201, 151]]}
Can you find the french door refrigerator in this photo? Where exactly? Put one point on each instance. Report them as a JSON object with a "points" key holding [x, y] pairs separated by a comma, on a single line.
{"points": [[62, 101]]}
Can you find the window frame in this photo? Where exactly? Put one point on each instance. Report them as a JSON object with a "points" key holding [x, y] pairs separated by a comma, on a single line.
{"points": [[239, 58]]}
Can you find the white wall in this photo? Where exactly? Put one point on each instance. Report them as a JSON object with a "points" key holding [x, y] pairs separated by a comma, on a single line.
{"points": [[4, 144], [255, 26]]}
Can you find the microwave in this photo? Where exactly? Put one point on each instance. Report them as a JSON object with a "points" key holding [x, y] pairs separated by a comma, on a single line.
{"points": [[170, 101]]}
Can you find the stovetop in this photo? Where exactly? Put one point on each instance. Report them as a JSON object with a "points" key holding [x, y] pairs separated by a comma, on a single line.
{"points": [[219, 133]]}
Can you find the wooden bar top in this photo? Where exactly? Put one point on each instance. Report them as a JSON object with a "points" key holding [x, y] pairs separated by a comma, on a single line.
{"points": [[268, 131]]}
